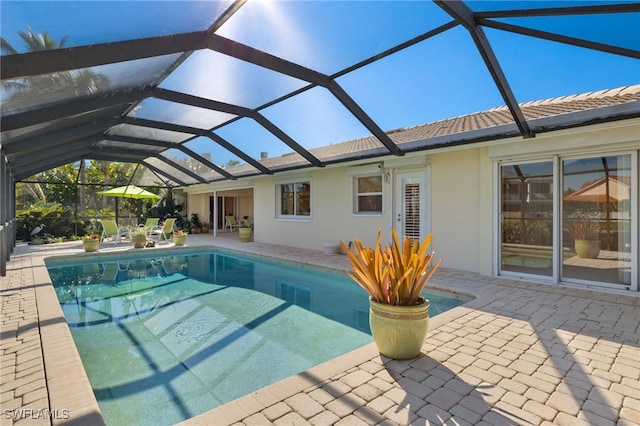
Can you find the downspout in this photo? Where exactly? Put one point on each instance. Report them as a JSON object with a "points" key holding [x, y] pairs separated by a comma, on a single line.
{"points": [[606, 201], [214, 223], [392, 195], [79, 179]]}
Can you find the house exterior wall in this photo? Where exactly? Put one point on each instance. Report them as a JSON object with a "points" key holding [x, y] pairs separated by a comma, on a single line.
{"points": [[331, 217], [198, 204], [462, 194], [460, 190], [460, 205], [245, 203]]}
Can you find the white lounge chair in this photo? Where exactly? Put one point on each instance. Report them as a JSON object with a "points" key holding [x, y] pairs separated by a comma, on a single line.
{"points": [[163, 232], [110, 229]]}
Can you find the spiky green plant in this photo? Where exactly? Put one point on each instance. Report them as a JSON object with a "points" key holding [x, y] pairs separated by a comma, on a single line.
{"points": [[37, 241], [395, 275], [583, 229]]}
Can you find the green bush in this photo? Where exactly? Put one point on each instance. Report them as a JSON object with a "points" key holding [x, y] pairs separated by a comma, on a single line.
{"points": [[57, 221], [37, 241]]}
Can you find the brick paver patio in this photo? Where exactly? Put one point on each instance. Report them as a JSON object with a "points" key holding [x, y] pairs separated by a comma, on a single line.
{"points": [[519, 353]]}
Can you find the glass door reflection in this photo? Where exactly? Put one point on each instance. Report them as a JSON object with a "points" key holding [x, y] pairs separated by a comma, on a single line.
{"points": [[596, 219], [527, 218]]}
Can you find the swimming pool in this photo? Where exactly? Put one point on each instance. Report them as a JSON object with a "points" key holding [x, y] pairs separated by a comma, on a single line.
{"points": [[167, 337]]}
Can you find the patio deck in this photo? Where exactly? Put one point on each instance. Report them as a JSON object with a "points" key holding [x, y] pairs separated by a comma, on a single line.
{"points": [[520, 353]]}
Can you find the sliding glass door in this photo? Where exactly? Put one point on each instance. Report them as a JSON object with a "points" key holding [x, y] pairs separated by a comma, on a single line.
{"points": [[571, 219], [527, 218], [596, 219]]}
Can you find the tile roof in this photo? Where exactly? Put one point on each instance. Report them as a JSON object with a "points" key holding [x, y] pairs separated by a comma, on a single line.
{"points": [[495, 123]]}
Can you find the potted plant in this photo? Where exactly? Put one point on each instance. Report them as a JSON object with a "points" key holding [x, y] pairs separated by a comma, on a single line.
{"points": [[91, 242], [205, 227], [195, 223], [586, 235], [179, 237], [394, 277], [245, 230], [179, 263], [139, 237]]}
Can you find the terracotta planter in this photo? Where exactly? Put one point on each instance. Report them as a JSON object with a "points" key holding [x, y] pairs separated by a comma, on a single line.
{"points": [[245, 234], [587, 249], [399, 331], [91, 245], [179, 240], [139, 241]]}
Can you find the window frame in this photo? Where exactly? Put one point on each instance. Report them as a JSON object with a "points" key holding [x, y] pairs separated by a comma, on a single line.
{"points": [[355, 195], [278, 196]]}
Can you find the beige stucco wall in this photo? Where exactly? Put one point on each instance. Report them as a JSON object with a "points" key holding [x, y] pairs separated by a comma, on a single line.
{"points": [[198, 204], [461, 192], [332, 219], [245, 203], [461, 195]]}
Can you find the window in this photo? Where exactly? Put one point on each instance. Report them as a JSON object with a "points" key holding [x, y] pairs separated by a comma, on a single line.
{"points": [[368, 194], [294, 199]]}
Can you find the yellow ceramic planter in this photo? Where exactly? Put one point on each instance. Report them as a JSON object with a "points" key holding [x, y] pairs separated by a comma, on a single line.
{"points": [[588, 249], [139, 240], [399, 331], [245, 234], [179, 240], [91, 245]]}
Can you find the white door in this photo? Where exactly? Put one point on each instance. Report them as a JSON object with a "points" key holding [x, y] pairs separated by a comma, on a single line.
{"points": [[411, 205]]}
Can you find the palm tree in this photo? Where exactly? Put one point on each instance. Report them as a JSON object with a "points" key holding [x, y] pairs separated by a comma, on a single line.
{"points": [[34, 42], [31, 91], [18, 93]]}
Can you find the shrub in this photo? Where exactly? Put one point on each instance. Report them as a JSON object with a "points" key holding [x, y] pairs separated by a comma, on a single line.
{"points": [[395, 275]]}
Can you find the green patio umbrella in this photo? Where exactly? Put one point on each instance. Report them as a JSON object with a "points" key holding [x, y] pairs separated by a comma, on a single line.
{"points": [[129, 191]]}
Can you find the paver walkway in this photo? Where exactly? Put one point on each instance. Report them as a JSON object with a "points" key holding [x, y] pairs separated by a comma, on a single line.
{"points": [[520, 353]]}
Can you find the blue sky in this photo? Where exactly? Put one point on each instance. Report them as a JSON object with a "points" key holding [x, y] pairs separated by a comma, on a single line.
{"points": [[439, 78]]}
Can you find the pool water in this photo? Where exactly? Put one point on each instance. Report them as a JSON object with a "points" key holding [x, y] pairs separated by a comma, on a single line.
{"points": [[163, 339]]}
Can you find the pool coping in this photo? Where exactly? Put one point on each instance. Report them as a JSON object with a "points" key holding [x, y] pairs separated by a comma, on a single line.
{"points": [[68, 385]]}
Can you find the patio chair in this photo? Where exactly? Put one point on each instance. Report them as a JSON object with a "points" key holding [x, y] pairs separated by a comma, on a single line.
{"points": [[110, 229], [163, 232], [230, 223], [149, 224], [110, 273]]}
